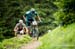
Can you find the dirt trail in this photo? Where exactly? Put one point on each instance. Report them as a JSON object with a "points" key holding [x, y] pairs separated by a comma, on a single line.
{"points": [[34, 44], [31, 45]]}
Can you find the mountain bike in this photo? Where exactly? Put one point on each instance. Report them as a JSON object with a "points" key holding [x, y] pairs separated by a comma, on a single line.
{"points": [[34, 29]]}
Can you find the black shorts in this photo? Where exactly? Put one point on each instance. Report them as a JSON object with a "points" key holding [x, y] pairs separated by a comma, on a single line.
{"points": [[28, 23], [18, 32]]}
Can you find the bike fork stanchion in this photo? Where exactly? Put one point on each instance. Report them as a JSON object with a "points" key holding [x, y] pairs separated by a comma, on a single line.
{"points": [[35, 33]]}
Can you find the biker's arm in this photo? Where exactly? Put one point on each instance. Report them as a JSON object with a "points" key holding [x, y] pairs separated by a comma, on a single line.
{"points": [[24, 17], [38, 17], [15, 28]]}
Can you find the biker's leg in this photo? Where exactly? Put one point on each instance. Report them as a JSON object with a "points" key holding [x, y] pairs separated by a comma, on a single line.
{"points": [[28, 26], [17, 32], [29, 30]]}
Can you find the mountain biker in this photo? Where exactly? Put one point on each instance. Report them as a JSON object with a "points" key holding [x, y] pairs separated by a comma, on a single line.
{"points": [[20, 28], [31, 16]]}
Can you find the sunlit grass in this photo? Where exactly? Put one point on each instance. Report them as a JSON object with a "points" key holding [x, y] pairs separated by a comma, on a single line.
{"points": [[59, 38], [14, 43]]}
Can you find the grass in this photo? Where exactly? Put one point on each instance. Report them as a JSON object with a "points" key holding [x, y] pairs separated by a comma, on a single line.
{"points": [[59, 38], [14, 43]]}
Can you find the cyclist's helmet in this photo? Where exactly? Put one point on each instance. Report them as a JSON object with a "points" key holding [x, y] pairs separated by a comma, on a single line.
{"points": [[20, 21], [32, 10]]}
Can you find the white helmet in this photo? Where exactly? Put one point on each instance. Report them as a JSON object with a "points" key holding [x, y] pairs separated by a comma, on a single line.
{"points": [[32, 9], [20, 21]]}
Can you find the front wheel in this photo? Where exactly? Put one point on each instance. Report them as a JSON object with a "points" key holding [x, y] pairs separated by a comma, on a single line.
{"points": [[35, 33]]}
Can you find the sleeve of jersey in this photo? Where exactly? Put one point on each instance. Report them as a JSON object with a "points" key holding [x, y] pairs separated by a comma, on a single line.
{"points": [[36, 14], [27, 13]]}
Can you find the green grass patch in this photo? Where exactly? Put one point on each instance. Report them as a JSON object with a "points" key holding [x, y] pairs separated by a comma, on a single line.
{"points": [[59, 38], [14, 43]]}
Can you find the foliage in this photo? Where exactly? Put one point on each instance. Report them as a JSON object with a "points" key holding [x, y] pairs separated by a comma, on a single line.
{"points": [[13, 10], [66, 10]]}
